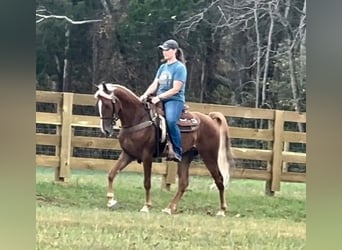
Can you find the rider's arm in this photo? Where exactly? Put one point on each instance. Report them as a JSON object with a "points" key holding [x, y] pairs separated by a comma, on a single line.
{"points": [[152, 88]]}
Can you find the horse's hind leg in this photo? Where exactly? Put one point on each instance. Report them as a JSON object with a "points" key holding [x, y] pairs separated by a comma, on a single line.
{"points": [[123, 161], [183, 181], [211, 164]]}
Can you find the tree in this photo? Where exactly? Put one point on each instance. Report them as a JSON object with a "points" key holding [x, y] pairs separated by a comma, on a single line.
{"points": [[248, 53], [61, 52], [255, 29]]}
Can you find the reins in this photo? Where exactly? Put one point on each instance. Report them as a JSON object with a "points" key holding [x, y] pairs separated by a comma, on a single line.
{"points": [[144, 124], [115, 116], [137, 127]]}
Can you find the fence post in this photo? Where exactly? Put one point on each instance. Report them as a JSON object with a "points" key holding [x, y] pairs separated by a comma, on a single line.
{"points": [[170, 176], [268, 184], [58, 133], [277, 150], [66, 133]]}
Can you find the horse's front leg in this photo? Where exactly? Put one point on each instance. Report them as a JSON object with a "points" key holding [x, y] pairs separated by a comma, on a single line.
{"points": [[123, 161], [147, 162], [183, 182]]}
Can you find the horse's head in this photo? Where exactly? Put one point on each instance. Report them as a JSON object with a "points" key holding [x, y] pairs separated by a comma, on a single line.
{"points": [[115, 102], [108, 107]]}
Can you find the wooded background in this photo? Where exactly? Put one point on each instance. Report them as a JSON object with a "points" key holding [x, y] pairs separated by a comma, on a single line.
{"points": [[242, 53]]}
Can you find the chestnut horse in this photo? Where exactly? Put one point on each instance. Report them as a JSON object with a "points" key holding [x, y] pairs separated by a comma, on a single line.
{"points": [[137, 140]]}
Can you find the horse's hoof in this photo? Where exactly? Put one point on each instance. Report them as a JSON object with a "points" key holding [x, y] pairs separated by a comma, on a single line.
{"points": [[111, 203], [167, 211], [220, 214], [145, 209]]}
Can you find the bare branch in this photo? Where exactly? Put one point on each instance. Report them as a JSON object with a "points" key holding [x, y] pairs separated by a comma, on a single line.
{"points": [[296, 8], [222, 13], [42, 9], [193, 21], [40, 20], [44, 17]]}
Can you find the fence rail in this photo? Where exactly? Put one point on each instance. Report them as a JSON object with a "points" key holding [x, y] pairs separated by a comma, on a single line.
{"points": [[275, 157]]}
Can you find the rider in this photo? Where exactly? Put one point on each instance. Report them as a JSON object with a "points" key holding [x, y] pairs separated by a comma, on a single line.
{"points": [[169, 85]]}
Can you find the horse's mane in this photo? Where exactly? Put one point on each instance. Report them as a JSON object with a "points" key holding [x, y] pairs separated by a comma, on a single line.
{"points": [[112, 87]]}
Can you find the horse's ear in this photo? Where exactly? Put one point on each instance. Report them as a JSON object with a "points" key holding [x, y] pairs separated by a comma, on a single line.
{"points": [[104, 86]]}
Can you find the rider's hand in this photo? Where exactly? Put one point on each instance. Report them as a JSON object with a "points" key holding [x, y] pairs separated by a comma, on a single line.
{"points": [[155, 99]]}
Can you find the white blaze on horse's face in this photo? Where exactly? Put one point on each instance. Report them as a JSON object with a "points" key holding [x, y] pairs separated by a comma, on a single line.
{"points": [[106, 112], [105, 117], [99, 105]]}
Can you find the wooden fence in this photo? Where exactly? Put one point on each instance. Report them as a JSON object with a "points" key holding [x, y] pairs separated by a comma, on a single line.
{"points": [[275, 157]]}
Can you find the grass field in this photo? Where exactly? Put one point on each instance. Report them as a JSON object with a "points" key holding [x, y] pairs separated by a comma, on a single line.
{"points": [[75, 216]]}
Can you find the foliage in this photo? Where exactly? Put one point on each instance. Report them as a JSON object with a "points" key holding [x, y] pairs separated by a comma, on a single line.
{"points": [[146, 25], [218, 37], [51, 42]]}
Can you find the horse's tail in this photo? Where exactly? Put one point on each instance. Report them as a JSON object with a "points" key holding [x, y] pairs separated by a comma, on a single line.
{"points": [[225, 158]]}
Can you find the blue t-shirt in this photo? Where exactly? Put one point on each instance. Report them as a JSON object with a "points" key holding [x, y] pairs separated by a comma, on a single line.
{"points": [[166, 74]]}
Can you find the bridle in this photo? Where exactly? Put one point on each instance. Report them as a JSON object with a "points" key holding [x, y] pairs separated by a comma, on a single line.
{"points": [[113, 119], [114, 116], [115, 101]]}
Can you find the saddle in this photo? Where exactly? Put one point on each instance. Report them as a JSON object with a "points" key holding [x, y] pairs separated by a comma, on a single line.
{"points": [[187, 122]]}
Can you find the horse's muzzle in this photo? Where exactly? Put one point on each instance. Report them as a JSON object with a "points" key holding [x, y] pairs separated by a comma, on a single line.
{"points": [[109, 132]]}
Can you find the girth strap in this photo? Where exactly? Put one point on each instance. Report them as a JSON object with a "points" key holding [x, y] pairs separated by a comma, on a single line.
{"points": [[137, 127]]}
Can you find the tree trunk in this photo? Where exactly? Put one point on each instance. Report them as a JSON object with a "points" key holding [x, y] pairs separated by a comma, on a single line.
{"points": [[267, 56], [258, 59], [287, 9], [66, 81], [203, 82], [106, 8], [294, 86], [94, 60], [302, 47]]}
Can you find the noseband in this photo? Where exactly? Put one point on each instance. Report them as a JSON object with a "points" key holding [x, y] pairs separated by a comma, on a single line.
{"points": [[113, 119]]}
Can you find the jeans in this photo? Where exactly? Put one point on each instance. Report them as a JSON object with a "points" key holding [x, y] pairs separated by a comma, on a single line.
{"points": [[173, 110]]}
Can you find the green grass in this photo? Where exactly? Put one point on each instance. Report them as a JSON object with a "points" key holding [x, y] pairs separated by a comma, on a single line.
{"points": [[75, 216]]}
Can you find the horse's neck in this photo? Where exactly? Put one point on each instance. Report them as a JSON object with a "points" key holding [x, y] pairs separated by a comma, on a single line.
{"points": [[132, 112]]}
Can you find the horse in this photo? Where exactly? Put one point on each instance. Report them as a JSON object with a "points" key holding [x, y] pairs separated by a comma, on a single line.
{"points": [[138, 142]]}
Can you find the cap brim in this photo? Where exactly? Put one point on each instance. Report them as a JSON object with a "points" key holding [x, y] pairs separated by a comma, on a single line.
{"points": [[162, 47]]}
